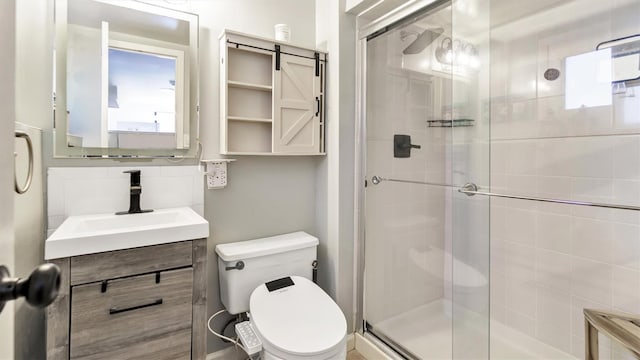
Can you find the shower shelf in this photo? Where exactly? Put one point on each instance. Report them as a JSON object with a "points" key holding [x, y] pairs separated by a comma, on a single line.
{"points": [[450, 123]]}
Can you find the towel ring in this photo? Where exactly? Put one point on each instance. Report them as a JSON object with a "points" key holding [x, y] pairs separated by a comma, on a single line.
{"points": [[23, 189]]}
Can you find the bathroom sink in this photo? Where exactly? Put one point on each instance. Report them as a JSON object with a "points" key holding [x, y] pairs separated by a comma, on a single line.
{"points": [[88, 234]]}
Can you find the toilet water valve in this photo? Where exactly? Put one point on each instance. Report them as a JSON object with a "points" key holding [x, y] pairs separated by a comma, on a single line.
{"points": [[239, 266]]}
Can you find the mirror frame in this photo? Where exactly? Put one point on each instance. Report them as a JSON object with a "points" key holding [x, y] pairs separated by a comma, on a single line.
{"points": [[619, 41], [60, 123]]}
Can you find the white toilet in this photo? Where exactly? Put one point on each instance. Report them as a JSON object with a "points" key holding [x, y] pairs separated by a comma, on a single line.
{"points": [[271, 279]]}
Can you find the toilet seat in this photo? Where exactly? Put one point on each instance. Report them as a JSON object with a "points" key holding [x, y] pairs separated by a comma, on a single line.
{"points": [[299, 321]]}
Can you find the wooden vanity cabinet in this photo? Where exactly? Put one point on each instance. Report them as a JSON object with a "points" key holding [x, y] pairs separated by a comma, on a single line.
{"points": [[141, 303]]}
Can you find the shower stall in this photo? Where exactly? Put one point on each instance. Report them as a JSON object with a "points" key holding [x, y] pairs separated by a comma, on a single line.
{"points": [[500, 148]]}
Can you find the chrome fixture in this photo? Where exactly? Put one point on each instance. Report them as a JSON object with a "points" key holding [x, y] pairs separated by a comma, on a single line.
{"points": [[375, 180], [457, 52], [444, 52], [23, 189], [421, 41], [471, 189]]}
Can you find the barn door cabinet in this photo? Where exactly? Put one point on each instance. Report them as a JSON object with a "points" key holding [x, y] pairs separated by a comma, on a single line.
{"points": [[271, 97]]}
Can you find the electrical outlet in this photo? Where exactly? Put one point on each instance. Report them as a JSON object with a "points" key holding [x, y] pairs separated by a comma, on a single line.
{"points": [[216, 175]]}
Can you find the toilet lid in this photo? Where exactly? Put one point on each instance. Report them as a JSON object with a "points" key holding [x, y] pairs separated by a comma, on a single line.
{"points": [[297, 317]]}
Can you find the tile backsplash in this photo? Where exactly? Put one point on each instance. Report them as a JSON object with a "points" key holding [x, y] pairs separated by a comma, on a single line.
{"points": [[96, 190]]}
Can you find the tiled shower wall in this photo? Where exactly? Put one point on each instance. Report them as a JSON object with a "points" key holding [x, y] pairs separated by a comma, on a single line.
{"points": [[549, 261], [405, 222]]}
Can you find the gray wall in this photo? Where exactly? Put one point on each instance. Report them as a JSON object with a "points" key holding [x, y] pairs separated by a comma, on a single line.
{"points": [[266, 195]]}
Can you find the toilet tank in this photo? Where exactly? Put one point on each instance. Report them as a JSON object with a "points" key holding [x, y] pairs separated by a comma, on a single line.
{"points": [[264, 260]]}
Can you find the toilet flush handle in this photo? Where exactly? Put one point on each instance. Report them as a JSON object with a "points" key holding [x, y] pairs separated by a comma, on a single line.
{"points": [[239, 266]]}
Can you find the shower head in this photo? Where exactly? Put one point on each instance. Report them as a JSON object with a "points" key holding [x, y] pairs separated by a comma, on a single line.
{"points": [[422, 41]]}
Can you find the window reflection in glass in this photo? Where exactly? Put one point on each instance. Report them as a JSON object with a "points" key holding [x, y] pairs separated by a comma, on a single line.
{"points": [[141, 92]]}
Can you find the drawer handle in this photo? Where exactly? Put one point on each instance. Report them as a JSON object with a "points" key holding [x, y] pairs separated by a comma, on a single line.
{"points": [[115, 310]]}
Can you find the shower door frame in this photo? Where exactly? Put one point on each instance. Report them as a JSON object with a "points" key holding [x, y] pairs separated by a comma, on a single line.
{"points": [[402, 14]]}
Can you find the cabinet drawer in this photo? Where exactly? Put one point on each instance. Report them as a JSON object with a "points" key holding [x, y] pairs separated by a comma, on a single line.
{"points": [[136, 318], [120, 263]]}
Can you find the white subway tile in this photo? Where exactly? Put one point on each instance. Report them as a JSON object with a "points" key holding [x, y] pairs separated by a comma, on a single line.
{"points": [[591, 189], [626, 290], [521, 157], [55, 194], [592, 239], [521, 296], [626, 192], [54, 221], [591, 280], [521, 322], [521, 226], [554, 232], [626, 157], [145, 171], [92, 190], [553, 270], [554, 157], [626, 245], [520, 262], [592, 156]]}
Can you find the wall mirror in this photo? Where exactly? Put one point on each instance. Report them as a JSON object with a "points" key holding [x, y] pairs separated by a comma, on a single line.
{"points": [[126, 80], [625, 58]]}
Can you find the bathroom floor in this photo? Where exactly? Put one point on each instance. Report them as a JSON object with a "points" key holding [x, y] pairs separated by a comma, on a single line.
{"points": [[354, 355]]}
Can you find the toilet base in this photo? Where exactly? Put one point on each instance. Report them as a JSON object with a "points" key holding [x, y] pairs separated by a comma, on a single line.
{"points": [[341, 356]]}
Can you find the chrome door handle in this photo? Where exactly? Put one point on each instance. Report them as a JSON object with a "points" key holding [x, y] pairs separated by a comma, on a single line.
{"points": [[23, 189]]}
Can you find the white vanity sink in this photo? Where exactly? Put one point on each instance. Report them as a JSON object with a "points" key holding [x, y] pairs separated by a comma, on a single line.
{"points": [[88, 234]]}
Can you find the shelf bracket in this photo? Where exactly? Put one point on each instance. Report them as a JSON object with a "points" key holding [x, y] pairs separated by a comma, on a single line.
{"points": [[278, 57], [316, 56]]}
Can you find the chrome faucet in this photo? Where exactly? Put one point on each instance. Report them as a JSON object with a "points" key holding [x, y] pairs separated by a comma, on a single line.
{"points": [[135, 191]]}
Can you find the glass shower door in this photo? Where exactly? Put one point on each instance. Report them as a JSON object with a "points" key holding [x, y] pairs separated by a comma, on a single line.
{"points": [[426, 245]]}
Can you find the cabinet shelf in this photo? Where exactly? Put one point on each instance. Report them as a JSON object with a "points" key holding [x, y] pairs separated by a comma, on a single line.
{"points": [[249, 119], [245, 85], [271, 103]]}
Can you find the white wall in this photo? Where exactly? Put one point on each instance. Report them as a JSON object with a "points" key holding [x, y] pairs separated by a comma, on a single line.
{"points": [[7, 116], [33, 111], [550, 261], [335, 33]]}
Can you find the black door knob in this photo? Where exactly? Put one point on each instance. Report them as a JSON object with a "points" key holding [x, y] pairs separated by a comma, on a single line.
{"points": [[39, 289]]}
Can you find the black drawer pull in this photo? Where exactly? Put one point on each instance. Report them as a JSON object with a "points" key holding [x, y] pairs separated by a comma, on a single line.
{"points": [[318, 106], [115, 310]]}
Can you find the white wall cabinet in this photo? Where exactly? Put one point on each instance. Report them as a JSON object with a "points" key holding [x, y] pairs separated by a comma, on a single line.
{"points": [[271, 97]]}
